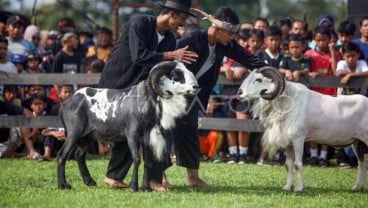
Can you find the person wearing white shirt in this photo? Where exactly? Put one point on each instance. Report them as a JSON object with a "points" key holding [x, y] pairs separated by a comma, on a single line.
{"points": [[351, 66]]}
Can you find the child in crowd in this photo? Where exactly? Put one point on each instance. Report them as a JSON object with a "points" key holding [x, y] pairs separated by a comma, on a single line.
{"points": [[323, 62], [32, 136], [271, 54], [18, 60], [295, 63], [210, 141], [254, 40], [261, 23], [32, 63], [349, 68], [238, 141], [345, 33], [10, 95], [66, 60], [55, 137], [30, 90]]}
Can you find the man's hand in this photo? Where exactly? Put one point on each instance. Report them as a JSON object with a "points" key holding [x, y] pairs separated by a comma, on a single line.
{"points": [[182, 54]]}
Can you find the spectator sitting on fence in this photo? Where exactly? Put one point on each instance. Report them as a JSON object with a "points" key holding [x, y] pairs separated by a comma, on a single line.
{"points": [[211, 140], [8, 143], [54, 137], [32, 136]]}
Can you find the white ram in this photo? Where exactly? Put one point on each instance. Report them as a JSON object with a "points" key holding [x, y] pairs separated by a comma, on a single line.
{"points": [[292, 114]]}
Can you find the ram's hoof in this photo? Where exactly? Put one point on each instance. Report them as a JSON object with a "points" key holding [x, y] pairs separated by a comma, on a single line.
{"points": [[90, 182], [64, 186], [133, 188], [147, 188]]}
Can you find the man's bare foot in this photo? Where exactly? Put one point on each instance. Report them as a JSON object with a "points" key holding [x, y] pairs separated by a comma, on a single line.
{"points": [[197, 183], [115, 183], [167, 185], [165, 182], [194, 180], [157, 186]]}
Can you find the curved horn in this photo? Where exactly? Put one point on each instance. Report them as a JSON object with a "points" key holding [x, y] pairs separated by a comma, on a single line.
{"points": [[276, 77], [156, 73]]}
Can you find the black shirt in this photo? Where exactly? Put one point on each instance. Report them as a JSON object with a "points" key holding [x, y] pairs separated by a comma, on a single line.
{"points": [[292, 64]]}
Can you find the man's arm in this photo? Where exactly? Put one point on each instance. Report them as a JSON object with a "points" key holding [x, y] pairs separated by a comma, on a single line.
{"points": [[239, 54], [12, 109]]}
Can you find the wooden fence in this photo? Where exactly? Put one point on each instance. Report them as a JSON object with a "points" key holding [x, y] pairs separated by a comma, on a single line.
{"points": [[226, 124]]}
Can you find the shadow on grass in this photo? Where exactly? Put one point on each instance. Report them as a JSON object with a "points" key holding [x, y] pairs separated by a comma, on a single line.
{"points": [[263, 190]]}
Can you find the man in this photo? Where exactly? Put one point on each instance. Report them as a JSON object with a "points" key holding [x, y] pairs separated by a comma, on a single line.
{"points": [[211, 45], [145, 41], [17, 44], [104, 45]]}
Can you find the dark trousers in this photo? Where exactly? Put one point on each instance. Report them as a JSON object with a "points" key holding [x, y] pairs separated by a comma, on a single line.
{"points": [[120, 161], [186, 145]]}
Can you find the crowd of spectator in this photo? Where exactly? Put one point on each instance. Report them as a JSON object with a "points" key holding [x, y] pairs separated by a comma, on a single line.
{"points": [[25, 48], [287, 44]]}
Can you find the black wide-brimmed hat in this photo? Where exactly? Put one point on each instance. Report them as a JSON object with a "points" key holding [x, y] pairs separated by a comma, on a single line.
{"points": [[179, 5]]}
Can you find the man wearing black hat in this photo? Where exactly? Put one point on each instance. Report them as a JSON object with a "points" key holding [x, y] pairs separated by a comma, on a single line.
{"points": [[145, 41], [15, 26], [212, 45]]}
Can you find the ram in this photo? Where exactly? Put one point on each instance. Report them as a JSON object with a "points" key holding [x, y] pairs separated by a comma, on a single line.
{"points": [[138, 114], [292, 114]]}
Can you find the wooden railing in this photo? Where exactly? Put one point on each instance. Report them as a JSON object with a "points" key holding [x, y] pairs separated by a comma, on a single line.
{"points": [[226, 124]]}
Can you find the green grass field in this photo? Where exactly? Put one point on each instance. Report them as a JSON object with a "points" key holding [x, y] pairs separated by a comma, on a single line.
{"points": [[27, 183]]}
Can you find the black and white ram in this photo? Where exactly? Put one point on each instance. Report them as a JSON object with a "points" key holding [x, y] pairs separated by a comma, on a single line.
{"points": [[292, 114], [138, 114]]}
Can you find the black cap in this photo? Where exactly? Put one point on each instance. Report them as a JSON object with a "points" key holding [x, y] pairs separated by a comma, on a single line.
{"points": [[179, 5], [14, 19]]}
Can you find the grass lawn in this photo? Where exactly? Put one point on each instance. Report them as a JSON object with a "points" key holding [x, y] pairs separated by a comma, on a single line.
{"points": [[27, 183]]}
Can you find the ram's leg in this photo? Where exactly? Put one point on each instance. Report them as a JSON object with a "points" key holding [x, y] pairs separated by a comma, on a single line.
{"points": [[80, 156], [147, 154], [62, 156], [289, 167], [133, 146], [298, 151], [361, 154]]}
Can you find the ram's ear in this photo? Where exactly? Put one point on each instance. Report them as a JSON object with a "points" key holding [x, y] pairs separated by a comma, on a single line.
{"points": [[157, 72], [277, 79]]}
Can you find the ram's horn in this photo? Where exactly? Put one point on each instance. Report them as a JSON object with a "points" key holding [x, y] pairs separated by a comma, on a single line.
{"points": [[276, 77], [157, 72]]}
